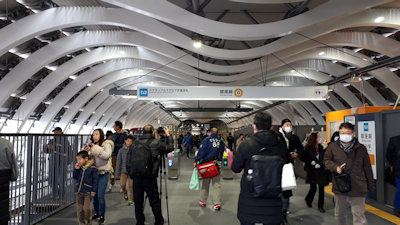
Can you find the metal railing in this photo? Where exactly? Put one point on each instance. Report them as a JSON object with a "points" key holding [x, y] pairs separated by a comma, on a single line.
{"points": [[45, 184]]}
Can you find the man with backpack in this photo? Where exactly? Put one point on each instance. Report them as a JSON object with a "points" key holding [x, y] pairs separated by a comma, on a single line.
{"points": [[261, 157], [143, 162], [211, 149]]}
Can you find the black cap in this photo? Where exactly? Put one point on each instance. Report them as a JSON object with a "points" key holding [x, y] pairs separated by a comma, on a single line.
{"points": [[57, 128], [285, 121]]}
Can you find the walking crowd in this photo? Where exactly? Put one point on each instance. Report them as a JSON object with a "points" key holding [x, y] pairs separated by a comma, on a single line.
{"points": [[260, 158]]}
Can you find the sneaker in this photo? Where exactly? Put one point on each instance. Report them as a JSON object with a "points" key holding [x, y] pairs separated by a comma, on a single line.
{"points": [[217, 207], [95, 217], [110, 187], [101, 221], [131, 203], [202, 204], [126, 197]]}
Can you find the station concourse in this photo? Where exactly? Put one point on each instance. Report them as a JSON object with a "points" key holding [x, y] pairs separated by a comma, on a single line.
{"points": [[73, 68]]}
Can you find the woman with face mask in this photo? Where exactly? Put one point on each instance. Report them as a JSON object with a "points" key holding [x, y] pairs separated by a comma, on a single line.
{"points": [[316, 173]]}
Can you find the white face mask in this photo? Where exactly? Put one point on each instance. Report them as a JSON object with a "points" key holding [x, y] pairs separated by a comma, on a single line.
{"points": [[346, 137], [287, 129]]}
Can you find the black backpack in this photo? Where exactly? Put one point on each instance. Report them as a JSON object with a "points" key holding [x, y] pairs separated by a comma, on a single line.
{"points": [[267, 174], [140, 163]]}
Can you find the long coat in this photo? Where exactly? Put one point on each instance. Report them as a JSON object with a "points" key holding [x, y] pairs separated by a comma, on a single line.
{"points": [[314, 175], [251, 209], [393, 154], [362, 180]]}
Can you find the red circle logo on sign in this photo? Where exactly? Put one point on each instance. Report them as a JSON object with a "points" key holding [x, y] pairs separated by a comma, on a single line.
{"points": [[238, 92]]}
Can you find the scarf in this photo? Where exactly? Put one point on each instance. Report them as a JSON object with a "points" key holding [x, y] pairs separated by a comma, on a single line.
{"points": [[88, 164], [284, 136], [347, 147]]}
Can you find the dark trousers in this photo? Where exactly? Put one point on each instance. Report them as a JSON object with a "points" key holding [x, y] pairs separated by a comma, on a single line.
{"points": [[311, 194], [5, 177], [241, 223], [148, 185]]}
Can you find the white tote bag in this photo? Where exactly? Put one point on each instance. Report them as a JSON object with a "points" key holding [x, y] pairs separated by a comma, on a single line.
{"points": [[288, 177]]}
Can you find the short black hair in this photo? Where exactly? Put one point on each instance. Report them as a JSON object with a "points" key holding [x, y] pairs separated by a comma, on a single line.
{"points": [[285, 121], [347, 125], [208, 130], [241, 135], [83, 154], [263, 121], [129, 137], [118, 124]]}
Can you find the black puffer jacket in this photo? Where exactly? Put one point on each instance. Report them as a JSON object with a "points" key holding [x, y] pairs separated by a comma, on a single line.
{"points": [[251, 209], [157, 147]]}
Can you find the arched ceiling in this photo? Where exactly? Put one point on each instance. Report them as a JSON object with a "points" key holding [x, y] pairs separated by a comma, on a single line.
{"points": [[60, 58]]}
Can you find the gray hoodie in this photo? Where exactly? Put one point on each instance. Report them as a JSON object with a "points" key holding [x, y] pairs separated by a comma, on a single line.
{"points": [[121, 161]]}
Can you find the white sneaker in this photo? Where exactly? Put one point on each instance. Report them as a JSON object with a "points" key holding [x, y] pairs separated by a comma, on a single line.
{"points": [[110, 187]]}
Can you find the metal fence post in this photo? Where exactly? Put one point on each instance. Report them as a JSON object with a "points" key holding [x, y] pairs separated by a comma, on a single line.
{"points": [[28, 176]]}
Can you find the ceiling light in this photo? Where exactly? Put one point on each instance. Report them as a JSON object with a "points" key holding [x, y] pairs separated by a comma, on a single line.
{"points": [[122, 52], [13, 95], [379, 19], [47, 103], [102, 90], [72, 77], [334, 61], [23, 97], [356, 79], [81, 110], [129, 96], [321, 53], [140, 71], [66, 106], [357, 49], [197, 43], [89, 84], [346, 84], [94, 112], [292, 71]]}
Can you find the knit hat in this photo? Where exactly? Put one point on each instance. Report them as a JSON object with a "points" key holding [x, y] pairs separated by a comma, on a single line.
{"points": [[285, 121]]}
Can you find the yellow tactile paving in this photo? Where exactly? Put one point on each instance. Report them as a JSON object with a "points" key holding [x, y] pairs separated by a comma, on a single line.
{"points": [[387, 216]]}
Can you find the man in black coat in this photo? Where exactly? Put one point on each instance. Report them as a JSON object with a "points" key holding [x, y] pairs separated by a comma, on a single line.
{"points": [[393, 157], [293, 149], [149, 184], [253, 210], [8, 172]]}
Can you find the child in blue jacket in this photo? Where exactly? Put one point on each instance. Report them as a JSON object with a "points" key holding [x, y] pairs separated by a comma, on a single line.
{"points": [[86, 177]]}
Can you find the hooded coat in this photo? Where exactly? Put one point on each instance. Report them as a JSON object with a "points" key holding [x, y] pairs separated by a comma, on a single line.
{"points": [[251, 209]]}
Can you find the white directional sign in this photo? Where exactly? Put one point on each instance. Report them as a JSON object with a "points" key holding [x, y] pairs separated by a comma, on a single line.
{"points": [[232, 93]]}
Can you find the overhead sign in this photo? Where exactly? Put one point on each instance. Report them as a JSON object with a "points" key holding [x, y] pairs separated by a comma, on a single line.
{"points": [[366, 136], [232, 93]]}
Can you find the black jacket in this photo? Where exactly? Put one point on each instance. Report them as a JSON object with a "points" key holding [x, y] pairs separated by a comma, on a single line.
{"points": [[251, 209], [393, 154], [314, 175], [157, 147]]}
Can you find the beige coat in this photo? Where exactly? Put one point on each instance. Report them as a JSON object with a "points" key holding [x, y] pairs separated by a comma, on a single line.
{"points": [[102, 156]]}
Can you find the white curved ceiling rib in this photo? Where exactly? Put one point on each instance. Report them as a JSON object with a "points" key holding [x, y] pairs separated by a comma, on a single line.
{"points": [[23, 30], [356, 36], [80, 82], [172, 14], [101, 110], [92, 106], [266, 1], [328, 67], [352, 103], [87, 94], [313, 112]]}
